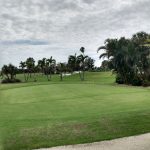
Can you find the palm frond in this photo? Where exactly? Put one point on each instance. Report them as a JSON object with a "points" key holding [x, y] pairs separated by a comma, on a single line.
{"points": [[103, 55], [101, 48]]}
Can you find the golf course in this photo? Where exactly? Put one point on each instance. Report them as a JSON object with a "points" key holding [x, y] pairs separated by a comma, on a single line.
{"points": [[52, 113]]}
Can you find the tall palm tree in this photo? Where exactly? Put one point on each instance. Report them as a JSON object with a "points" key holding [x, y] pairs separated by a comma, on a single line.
{"points": [[117, 51], [81, 60], [82, 50]]}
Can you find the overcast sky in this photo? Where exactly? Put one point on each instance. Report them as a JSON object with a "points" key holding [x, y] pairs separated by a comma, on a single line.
{"points": [[41, 28]]}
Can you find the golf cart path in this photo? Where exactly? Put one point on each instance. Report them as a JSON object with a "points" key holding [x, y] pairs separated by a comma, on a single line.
{"points": [[140, 142]]}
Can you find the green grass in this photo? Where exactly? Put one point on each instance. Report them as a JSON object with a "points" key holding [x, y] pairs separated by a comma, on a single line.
{"points": [[46, 114]]}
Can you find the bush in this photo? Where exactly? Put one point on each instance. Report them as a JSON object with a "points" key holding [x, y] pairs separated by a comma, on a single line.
{"points": [[146, 83], [10, 81], [119, 80], [136, 82]]}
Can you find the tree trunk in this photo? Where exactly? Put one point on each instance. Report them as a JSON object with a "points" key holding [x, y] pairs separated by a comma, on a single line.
{"points": [[83, 72], [61, 76], [24, 76], [80, 75], [7, 76], [83, 75], [11, 76], [34, 77], [50, 75], [27, 78], [47, 77]]}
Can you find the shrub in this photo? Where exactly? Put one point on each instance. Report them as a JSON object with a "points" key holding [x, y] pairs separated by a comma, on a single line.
{"points": [[119, 80], [10, 81], [146, 83], [136, 81]]}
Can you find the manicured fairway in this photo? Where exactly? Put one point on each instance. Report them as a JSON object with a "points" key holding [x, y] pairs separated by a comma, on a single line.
{"points": [[45, 114]]}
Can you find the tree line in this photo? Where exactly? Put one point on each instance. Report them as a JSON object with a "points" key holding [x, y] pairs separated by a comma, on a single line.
{"points": [[47, 67], [129, 58]]}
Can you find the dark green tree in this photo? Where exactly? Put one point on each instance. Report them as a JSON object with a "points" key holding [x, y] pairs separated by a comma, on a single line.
{"points": [[23, 66]]}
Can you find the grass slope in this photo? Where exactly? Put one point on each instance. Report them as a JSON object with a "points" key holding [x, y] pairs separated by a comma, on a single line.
{"points": [[45, 114]]}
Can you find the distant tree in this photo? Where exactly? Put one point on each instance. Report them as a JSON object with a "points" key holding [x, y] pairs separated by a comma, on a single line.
{"points": [[5, 71], [106, 65], [61, 68], [140, 38], [89, 64], [9, 71], [23, 66], [73, 62], [30, 64], [81, 60], [50, 63], [42, 65]]}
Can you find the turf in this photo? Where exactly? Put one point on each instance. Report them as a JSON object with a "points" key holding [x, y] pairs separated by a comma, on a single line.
{"points": [[46, 114]]}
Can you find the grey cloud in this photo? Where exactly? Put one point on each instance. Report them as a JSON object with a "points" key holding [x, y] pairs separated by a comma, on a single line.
{"points": [[88, 1], [24, 42], [66, 25], [66, 4]]}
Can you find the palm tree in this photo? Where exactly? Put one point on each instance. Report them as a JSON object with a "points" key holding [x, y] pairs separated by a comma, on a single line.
{"points": [[23, 66], [5, 71], [129, 58], [89, 64], [40, 65], [81, 60], [82, 50], [61, 67], [109, 48], [30, 64], [117, 51], [50, 65], [73, 62]]}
